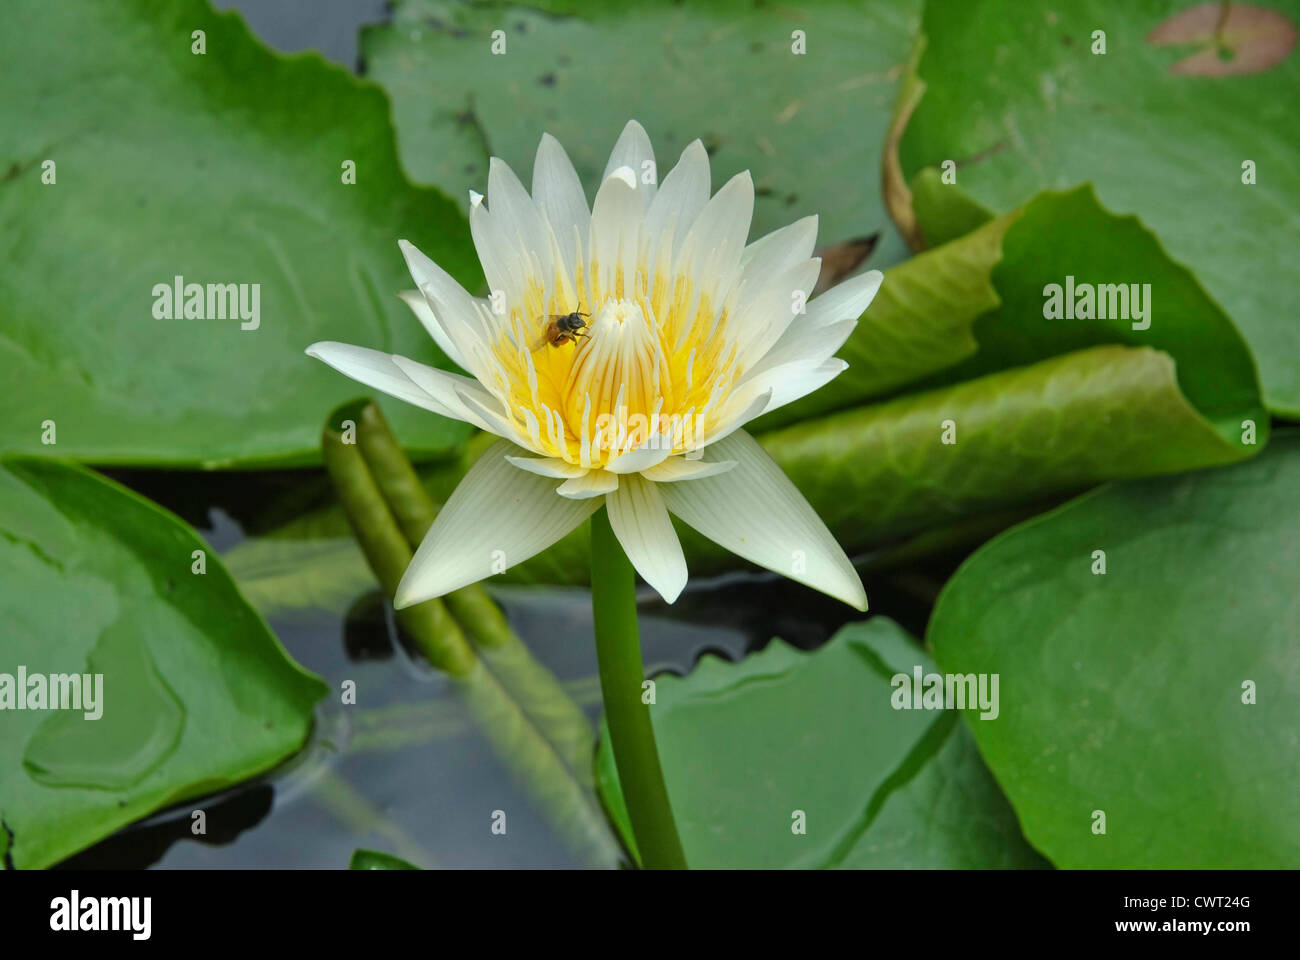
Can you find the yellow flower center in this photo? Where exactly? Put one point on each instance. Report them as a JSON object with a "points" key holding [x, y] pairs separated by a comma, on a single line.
{"points": [[654, 365]]}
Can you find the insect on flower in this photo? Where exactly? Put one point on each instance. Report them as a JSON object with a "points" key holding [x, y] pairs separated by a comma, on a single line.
{"points": [[563, 328], [684, 333]]}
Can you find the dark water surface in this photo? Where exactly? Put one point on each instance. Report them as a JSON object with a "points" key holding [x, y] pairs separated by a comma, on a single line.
{"points": [[329, 27]]}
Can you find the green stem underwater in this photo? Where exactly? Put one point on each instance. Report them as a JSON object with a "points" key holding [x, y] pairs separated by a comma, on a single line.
{"points": [[632, 737]]}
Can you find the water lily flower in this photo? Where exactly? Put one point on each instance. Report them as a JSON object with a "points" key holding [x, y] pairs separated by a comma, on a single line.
{"points": [[681, 334]]}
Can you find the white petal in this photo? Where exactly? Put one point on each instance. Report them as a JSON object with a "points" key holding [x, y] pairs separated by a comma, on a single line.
{"points": [[452, 391], [593, 483], [781, 249], [743, 407], [756, 512], [767, 304], [795, 380], [558, 194], [453, 306], [642, 525], [495, 420], [376, 369], [845, 301], [711, 252], [616, 220], [424, 313], [552, 467], [681, 197], [679, 468], [504, 264], [785, 384], [633, 150], [803, 343], [654, 450], [517, 216], [626, 175], [496, 508]]}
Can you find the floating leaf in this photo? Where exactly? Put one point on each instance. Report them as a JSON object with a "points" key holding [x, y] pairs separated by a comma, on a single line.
{"points": [[195, 692], [225, 167], [752, 749], [1145, 637]]}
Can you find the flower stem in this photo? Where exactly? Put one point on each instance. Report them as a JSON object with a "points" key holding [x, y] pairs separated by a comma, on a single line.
{"points": [[618, 650], [439, 637]]}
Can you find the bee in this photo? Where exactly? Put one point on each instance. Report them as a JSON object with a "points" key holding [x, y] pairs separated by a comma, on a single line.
{"points": [[561, 328]]}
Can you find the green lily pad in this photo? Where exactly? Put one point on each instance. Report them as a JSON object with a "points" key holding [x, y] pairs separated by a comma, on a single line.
{"points": [[194, 692], [809, 126], [746, 747], [979, 304], [1161, 694], [1068, 241], [1166, 124], [225, 167]]}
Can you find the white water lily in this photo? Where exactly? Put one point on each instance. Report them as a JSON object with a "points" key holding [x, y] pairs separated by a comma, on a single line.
{"points": [[690, 334]]}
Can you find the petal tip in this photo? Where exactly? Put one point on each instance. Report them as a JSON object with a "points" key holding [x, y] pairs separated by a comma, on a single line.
{"points": [[626, 174], [320, 348], [413, 257], [743, 181], [871, 281], [670, 594]]}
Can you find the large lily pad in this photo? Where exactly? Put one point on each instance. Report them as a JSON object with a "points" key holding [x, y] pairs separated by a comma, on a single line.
{"points": [[1068, 241], [747, 745], [225, 167], [196, 692], [980, 303], [1162, 123], [1161, 693], [809, 126]]}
